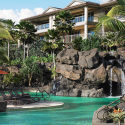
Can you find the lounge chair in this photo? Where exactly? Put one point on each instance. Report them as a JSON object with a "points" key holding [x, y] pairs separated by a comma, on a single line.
{"points": [[10, 100], [16, 96], [27, 96]]}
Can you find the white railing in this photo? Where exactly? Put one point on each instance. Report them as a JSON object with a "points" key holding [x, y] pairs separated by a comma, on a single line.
{"points": [[70, 38]]}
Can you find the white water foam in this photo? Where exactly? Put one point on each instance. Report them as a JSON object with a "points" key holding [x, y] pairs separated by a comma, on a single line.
{"points": [[110, 82], [122, 82]]}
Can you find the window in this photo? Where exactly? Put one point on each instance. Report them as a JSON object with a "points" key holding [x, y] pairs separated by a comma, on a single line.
{"points": [[47, 25], [41, 38], [91, 16], [76, 19], [43, 26], [39, 27]]}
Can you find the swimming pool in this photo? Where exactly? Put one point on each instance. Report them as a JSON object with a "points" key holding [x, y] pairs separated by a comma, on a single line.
{"points": [[75, 111]]}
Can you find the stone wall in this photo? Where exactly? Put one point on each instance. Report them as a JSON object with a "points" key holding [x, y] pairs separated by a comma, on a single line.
{"points": [[86, 74]]}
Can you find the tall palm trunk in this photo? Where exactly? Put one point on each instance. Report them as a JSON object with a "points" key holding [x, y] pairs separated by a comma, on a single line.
{"points": [[24, 52], [54, 62], [30, 78], [27, 50], [8, 48]]}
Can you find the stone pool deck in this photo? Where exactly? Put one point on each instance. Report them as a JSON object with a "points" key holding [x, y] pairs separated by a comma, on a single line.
{"points": [[40, 104]]}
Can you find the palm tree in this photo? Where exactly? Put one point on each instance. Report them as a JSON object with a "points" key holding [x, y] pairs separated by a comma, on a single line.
{"points": [[5, 27], [26, 33], [54, 39], [3, 57], [111, 23], [64, 23]]}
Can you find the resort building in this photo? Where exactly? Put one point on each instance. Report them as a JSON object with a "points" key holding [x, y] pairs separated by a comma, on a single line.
{"points": [[86, 17]]}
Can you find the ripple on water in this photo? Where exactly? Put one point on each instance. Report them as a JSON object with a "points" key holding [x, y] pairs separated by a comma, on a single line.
{"points": [[75, 111]]}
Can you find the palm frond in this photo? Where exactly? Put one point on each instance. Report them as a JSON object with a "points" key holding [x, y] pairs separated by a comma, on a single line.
{"points": [[121, 2], [3, 57], [4, 34], [117, 10], [110, 23]]}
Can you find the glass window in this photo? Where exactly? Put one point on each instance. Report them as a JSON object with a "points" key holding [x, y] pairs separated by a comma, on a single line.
{"points": [[41, 38], [89, 18], [47, 25], [76, 19], [81, 19], [72, 21], [43, 26], [39, 27]]}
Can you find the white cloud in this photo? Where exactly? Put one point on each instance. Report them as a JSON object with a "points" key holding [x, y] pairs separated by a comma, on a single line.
{"points": [[104, 1], [38, 10], [18, 15]]}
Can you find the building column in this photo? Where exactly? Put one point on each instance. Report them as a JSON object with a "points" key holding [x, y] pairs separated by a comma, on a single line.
{"points": [[18, 43], [86, 22], [51, 22]]}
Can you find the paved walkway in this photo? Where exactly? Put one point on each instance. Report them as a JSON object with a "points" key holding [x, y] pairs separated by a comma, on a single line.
{"points": [[40, 104]]}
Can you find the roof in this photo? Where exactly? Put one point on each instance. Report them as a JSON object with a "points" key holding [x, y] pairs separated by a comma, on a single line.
{"points": [[51, 8], [68, 7]]}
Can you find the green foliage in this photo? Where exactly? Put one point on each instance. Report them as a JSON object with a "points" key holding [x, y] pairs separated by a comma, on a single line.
{"points": [[109, 40], [77, 43], [13, 79], [35, 49], [117, 116], [3, 56], [53, 72], [30, 68], [16, 62], [63, 23], [27, 31], [94, 41], [5, 26], [46, 58]]}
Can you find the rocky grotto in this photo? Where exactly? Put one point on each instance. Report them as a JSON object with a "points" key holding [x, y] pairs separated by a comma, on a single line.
{"points": [[84, 74]]}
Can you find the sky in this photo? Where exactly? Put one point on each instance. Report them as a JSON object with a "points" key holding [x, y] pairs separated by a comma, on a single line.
{"points": [[20, 9]]}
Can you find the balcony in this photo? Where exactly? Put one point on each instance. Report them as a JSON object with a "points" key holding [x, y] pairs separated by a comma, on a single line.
{"points": [[80, 20], [42, 28]]}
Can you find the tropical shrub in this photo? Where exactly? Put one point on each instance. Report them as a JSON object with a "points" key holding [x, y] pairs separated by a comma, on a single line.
{"points": [[13, 79], [94, 41], [30, 68], [109, 40], [77, 43]]}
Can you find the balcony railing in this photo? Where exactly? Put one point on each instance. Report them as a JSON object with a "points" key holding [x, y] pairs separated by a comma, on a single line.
{"points": [[70, 38], [43, 26], [82, 19]]}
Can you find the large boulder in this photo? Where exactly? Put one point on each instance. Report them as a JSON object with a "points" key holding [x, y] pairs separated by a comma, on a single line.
{"points": [[114, 74], [73, 72], [75, 93], [72, 92], [92, 93], [100, 111], [89, 59], [68, 56], [121, 52], [95, 76]]}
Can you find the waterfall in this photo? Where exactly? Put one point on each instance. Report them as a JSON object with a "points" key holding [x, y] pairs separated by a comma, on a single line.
{"points": [[122, 82], [110, 82]]}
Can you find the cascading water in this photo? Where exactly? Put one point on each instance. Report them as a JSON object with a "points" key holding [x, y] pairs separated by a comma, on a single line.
{"points": [[122, 82], [110, 82]]}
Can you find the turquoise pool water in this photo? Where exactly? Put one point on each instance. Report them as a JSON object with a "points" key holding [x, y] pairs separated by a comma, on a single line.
{"points": [[76, 111]]}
